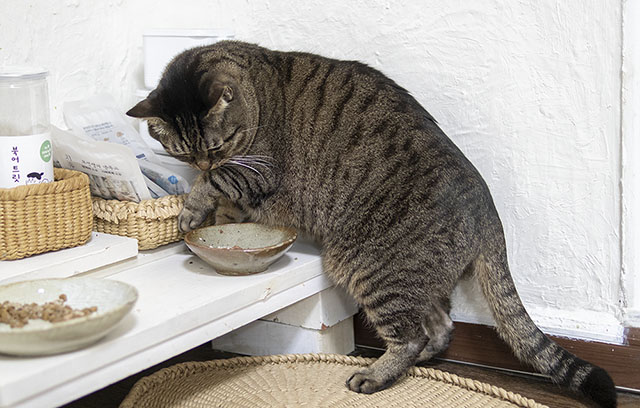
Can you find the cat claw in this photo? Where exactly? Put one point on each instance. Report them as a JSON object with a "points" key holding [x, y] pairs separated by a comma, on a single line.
{"points": [[188, 220], [363, 382]]}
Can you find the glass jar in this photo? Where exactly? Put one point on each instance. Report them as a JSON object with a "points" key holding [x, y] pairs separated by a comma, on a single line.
{"points": [[25, 139]]}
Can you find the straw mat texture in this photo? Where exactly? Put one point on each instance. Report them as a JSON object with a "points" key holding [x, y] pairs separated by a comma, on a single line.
{"points": [[307, 380], [45, 217]]}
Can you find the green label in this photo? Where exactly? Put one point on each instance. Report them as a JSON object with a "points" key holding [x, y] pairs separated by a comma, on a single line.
{"points": [[45, 151]]}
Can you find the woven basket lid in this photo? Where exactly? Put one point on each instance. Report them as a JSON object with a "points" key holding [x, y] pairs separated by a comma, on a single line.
{"points": [[307, 380]]}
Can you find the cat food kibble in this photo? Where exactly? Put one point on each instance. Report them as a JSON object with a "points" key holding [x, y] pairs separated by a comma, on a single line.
{"points": [[18, 315]]}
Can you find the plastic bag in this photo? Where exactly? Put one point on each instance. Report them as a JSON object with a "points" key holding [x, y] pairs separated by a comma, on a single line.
{"points": [[112, 169], [98, 117], [155, 190], [171, 182]]}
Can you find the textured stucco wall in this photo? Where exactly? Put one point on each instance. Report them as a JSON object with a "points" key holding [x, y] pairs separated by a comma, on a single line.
{"points": [[530, 90], [630, 183]]}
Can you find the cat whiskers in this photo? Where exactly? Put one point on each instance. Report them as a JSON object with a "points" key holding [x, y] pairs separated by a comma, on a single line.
{"points": [[257, 160], [237, 163], [253, 163]]}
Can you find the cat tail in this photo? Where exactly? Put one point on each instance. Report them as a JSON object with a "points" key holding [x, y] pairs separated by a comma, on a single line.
{"points": [[529, 344]]}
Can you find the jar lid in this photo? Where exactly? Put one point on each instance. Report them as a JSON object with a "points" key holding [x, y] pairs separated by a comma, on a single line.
{"points": [[20, 72]]}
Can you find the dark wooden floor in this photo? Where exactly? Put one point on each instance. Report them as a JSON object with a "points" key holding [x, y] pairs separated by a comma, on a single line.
{"points": [[529, 386]]}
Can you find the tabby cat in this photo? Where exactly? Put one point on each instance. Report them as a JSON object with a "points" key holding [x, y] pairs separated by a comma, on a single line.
{"points": [[342, 153]]}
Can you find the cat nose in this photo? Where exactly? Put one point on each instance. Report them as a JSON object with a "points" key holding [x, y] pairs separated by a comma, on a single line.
{"points": [[203, 165]]}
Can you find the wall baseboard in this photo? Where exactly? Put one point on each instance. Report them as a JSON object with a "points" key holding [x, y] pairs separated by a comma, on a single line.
{"points": [[480, 344]]}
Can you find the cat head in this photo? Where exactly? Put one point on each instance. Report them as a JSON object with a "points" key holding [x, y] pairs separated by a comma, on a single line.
{"points": [[201, 117]]}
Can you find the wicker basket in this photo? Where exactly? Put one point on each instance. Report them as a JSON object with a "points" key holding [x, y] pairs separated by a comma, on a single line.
{"points": [[151, 222], [45, 217]]}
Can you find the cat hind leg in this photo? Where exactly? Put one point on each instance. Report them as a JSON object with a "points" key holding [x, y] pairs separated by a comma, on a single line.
{"points": [[438, 327], [403, 348]]}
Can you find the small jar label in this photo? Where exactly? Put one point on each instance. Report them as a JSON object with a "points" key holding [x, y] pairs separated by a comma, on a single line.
{"points": [[25, 160]]}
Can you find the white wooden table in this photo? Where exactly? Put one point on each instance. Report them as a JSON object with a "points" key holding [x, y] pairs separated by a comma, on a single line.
{"points": [[183, 303]]}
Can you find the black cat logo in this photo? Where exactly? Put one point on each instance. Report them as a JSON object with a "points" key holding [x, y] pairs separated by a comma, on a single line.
{"points": [[35, 177], [35, 174]]}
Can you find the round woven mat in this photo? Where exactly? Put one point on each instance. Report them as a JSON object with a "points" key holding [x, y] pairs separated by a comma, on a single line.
{"points": [[307, 380]]}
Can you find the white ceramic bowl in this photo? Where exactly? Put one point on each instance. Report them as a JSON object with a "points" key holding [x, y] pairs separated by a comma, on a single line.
{"points": [[240, 249], [114, 300]]}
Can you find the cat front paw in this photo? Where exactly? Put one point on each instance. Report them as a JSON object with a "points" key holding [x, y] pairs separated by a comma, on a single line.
{"points": [[189, 219], [366, 382]]}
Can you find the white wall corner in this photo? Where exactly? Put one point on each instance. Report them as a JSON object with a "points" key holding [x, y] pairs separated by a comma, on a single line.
{"points": [[631, 317], [630, 163]]}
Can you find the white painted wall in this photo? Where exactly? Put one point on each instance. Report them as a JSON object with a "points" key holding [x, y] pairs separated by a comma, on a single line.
{"points": [[530, 90], [631, 162]]}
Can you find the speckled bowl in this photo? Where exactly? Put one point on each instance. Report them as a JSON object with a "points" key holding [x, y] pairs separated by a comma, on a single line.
{"points": [[240, 249], [114, 300]]}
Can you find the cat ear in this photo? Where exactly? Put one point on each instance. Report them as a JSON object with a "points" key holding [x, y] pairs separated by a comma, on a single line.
{"points": [[144, 109], [220, 95]]}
